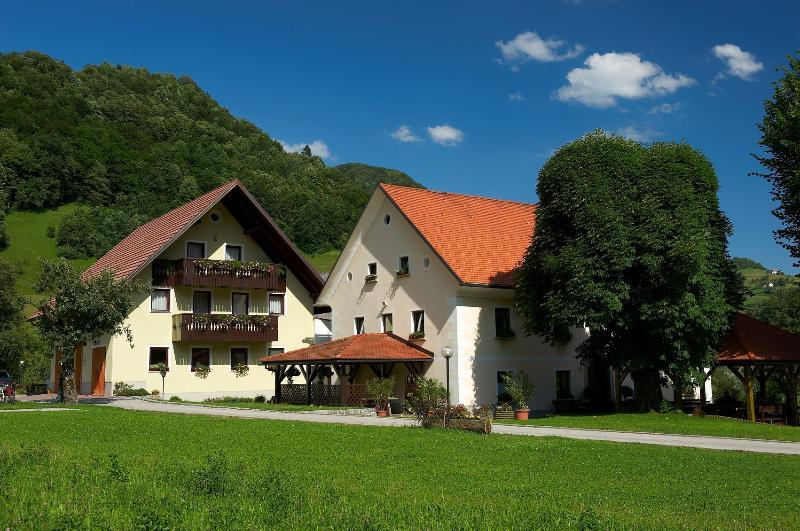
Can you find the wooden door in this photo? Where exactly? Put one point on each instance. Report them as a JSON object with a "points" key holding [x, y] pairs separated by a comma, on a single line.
{"points": [[78, 367], [98, 371], [56, 373]]}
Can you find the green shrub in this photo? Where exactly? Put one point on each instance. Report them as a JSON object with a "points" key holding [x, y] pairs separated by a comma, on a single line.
{"points": [[175, 398], [229, 400], [427, 401], [260, 399], [124, 389], [380, 390], [519, 388]]}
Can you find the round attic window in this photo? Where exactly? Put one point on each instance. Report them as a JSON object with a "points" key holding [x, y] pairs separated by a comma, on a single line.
{"points": [[215, 217], [349, 276], [426, 262], [387, 219]]}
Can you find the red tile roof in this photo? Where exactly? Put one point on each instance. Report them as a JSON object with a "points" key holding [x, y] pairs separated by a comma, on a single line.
{"points": [[753, 340], [361, 347], [147, 241], [481, 240]]}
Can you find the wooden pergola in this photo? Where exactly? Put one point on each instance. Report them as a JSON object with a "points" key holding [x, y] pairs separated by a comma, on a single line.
{"points": [[754, 350], [381, 353]]}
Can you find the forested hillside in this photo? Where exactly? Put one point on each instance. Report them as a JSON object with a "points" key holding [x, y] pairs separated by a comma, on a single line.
{"points": [[135, 144]]}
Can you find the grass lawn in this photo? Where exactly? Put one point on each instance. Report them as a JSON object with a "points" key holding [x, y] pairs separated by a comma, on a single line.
{"points": [[323, 262], [29, 243], [668, 423], [109, 468]]}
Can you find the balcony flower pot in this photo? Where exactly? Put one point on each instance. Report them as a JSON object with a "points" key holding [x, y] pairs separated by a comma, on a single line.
{"points": [[521, 414], [417, 336]]}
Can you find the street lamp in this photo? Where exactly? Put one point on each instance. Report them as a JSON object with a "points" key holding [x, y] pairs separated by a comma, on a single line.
{"points": [[447, 352]]}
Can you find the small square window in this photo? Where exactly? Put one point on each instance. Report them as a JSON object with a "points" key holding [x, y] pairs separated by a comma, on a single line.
{"points": [[274, 351], [276, 303], [233, 252], [158, 355], [238, 357], [372, 268], [195, 250], [159, 300], [358, 325], [200, 356], [402, 265], [386, 323]]}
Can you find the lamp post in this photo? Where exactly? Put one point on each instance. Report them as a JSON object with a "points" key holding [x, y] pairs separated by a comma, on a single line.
{"points": [[447, 352]]}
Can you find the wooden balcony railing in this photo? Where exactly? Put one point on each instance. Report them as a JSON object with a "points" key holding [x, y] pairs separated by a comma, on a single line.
{"points": [[219, 273], [224, 327]]}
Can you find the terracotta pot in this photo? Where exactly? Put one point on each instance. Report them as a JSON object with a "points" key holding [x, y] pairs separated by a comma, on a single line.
{"points": [[385, 412], [521, 414]]}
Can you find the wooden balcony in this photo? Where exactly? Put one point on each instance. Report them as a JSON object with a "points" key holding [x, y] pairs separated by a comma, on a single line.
{"points": [[224, 327], [219, 274]]}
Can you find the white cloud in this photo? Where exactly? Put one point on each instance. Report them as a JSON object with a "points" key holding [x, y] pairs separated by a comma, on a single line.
{"points": [[609, 76], [446, 135], [517, 96], [666, 108], [529, 46], [405, 134], [636, 134], [739, 63], [318, 148]]}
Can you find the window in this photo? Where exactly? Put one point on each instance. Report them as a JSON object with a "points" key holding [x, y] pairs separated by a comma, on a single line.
{"points": [[195, 250], [273, 351], [563, 387], [215, 217], [502, 323], [240, 303], [386, 322], [159, 300], [502, 393], [426, 262], [201, 302], [372, 268], [349, 276], [158, 355], [233, 252], [276, 303], [200, 356], [387, 219], [418, 321], [358, 323], [238, 357], [402, 265]]}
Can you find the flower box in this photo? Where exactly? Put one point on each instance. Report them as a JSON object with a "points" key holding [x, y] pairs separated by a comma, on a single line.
{"points": [[371, 278], [416, 336]]}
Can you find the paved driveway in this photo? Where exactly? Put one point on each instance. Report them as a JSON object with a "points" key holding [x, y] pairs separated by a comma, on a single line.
{"points": [[712, 443]]}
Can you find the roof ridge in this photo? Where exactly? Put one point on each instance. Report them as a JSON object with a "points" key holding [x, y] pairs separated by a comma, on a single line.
{"points": [[453, 194]]}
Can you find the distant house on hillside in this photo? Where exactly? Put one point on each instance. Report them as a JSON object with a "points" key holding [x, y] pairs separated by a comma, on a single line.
{"points": [[776, 272], [228, 288]]}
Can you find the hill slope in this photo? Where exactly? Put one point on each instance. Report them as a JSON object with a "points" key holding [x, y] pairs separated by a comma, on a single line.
{"points": [[144, 142]]}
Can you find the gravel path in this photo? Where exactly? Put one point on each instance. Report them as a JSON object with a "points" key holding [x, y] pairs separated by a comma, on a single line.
{"points": [[692, 441]]}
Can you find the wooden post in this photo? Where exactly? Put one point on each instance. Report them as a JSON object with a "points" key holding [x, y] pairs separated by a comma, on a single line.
{"points": [[792, 374], [748, 393], [308, 384], [278, 384]]}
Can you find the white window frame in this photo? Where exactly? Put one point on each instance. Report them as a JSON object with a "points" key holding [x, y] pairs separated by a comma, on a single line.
{"points": [[169, 351], [274, 346], [363, 325], [230, 355], [285, 305], [383, 323], [376, 268], [169, 300], [414, 325], [186, 249], [191, 302], [210, 355], [233, 244]]}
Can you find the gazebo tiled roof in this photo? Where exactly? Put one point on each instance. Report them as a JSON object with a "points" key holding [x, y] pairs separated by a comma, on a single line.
{"points": [[751, 341], [364, 348]]}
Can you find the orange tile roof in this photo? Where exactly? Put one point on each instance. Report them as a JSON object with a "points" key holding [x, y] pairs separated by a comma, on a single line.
{"points": [[753, 340], [147, 241], [481, 240], [361, 347]]}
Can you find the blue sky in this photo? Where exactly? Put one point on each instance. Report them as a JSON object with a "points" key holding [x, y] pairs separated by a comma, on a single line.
{"points": [[486, 90]]}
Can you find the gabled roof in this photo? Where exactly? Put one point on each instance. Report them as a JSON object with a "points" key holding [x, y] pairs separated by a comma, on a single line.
{"points": [[751, 340], [481, 240], [145, 243], [356, 348]]}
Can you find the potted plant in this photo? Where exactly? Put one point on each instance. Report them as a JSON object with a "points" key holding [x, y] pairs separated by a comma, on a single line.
{"points": [[241, 370], [371, 278], [520, 390], [202, 371], [418, 335], [162, 369], [380, 390]]}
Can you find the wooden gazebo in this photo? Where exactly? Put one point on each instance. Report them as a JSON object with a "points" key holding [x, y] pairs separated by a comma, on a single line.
{"points": [[755, 350], [379, 353]]}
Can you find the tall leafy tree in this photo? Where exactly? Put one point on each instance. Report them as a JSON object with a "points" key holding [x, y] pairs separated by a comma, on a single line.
{"points": [[630, 243], [780, 138], [81, 311]]}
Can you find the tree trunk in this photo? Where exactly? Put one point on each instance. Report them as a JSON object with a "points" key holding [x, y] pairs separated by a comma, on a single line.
{"points": [[677, 391], [69, 393], [647, 389]]}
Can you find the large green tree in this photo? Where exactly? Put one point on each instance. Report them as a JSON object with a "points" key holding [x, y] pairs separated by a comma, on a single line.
{"points": [[630, 243], [780, 138], [82, 310]]}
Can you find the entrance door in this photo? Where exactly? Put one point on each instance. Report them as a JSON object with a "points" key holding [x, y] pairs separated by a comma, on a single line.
{"points": [[98, 385]]}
